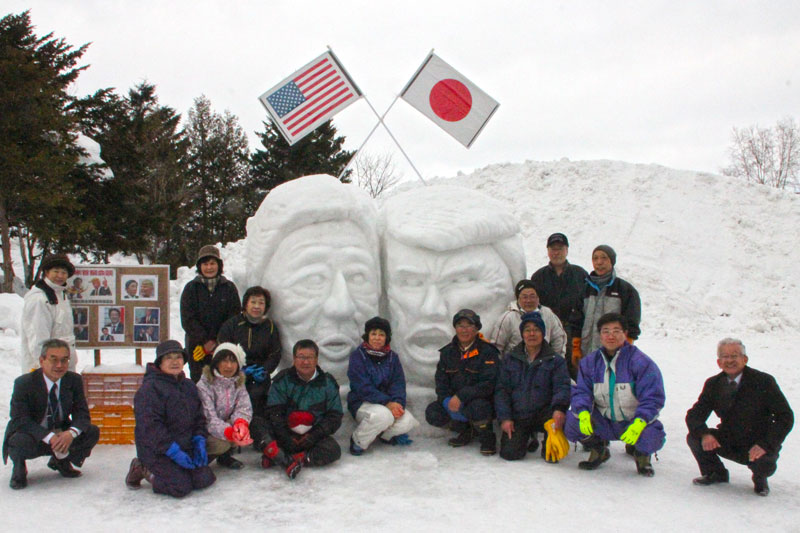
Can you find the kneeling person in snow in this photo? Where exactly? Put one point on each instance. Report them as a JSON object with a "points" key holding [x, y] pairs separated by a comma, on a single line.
{"points": [[506, 334], [377, 397], [465, 380], [618, 396], [305, 409], [754, 420], [226, 405], [532, 395], [170, 428], [49, 416]]}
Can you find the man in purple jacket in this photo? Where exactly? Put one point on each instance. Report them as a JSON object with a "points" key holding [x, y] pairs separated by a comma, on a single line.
{"points": [[618, 396]]}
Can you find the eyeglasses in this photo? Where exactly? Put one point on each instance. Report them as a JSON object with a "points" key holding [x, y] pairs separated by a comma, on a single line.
{"points": [[612, 331], [729, 357], [305, 357]]}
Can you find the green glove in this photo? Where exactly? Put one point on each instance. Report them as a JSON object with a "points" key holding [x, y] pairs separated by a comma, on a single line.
{"points": [[586, 422], [631, 434]]}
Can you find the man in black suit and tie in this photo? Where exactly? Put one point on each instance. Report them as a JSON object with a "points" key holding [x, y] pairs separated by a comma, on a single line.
{"points": [[115, 326], [49, 416], [754, 420]]}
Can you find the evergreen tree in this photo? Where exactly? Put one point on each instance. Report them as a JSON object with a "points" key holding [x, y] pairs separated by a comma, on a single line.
{"points": [[218, 173], [41, 193], [320, 152]]}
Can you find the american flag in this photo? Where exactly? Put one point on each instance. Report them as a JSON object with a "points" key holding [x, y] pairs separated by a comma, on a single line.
{"points": [[309, 97]]}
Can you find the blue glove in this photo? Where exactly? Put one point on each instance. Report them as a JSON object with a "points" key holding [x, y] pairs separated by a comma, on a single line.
{"points": [[257, 372], [179, 457], [455, 415], [200, 455]]}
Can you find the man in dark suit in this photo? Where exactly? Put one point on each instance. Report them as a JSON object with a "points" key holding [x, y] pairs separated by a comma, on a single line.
{"points": [[49, 416], [754, 420]]}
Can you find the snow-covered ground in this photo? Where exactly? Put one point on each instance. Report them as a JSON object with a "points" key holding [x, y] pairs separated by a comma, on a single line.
{"points": [[711, 257]]}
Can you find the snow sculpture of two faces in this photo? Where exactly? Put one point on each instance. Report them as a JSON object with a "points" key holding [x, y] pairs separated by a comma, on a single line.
{"points": [[313, 243]]}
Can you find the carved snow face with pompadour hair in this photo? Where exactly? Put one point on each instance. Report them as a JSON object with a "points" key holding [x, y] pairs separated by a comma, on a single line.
{"points": [[313, 244], [444, 248]]}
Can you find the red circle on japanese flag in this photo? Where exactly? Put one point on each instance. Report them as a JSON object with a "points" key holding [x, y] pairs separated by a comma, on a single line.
{"points": [[450, 100]]}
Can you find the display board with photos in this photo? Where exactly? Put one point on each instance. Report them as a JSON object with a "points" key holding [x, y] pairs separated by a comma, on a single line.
{"points": [[119, 306]]}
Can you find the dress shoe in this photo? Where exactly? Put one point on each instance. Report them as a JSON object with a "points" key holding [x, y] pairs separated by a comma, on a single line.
{"points": [[19, 476], [63, 467], [136, 473], [711, 478], [760, 486]]}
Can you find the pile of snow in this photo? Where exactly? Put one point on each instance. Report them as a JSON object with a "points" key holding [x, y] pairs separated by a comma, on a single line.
{"points": [[710, 256], [10, 311]]}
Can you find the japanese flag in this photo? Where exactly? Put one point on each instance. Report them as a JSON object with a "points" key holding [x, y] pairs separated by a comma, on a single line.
{"points": [[449, 99]]}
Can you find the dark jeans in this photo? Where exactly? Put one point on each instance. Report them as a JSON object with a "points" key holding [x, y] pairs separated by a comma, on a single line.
{"points": [[477, 410], [22, 446], [710, 461], [516, 447]]}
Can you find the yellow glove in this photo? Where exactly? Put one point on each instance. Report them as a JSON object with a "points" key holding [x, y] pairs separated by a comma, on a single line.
{"points": [[631, 435], [576, 350], [556, 446], [586, 422], [199, 353]]}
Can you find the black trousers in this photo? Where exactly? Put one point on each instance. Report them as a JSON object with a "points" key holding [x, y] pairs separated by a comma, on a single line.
{"points": [[22, 446], [477, 410], [516, 447], [258, 395], [710, 462], [323, 452]]}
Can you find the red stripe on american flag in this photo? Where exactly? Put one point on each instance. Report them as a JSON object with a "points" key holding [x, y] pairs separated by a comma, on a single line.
{"points": [[325, 111], [317, 82], [308, 107], [312, 99], [299, 76]]}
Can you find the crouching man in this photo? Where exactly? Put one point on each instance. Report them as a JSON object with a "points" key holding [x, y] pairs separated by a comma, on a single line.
{"points": [[304, 411], [465, 380], [618, 396], [754, 419], [49, 416]]}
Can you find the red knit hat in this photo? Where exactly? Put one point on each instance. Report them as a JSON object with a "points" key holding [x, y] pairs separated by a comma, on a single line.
{"points": [[300, 421]]}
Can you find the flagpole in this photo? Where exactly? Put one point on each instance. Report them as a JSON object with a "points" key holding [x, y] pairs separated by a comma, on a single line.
{"points": [[380, 119]]}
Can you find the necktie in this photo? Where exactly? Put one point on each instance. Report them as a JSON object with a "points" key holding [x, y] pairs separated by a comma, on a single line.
{"points": [[53, 412]]}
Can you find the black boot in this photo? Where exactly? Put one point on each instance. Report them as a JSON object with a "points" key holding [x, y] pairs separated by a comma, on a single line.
{"points": [[599, 453], [486, 437], [643, 465], [463, 438], [227, 460], [19, 475], [760, 485]]}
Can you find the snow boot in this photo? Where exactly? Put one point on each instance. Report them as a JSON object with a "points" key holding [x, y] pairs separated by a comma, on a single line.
{"points": [[486, 437], [296, 463], [599, 453], [643, 465], [227, 460], [136, 473], [355, 449], [464, 436]]}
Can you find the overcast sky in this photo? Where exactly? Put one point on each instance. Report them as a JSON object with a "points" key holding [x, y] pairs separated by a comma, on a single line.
{"points": [[643, 82]]}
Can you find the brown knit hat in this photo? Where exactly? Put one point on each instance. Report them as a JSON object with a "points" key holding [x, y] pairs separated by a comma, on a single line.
{"points": [[209, 250]]}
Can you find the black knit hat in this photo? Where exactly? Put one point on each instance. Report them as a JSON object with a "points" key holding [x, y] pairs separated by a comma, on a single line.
{"points": [[168, 347], [609, 251], [57, 261], [522, 285], [468, 314], [536, 318], [377, 322]]}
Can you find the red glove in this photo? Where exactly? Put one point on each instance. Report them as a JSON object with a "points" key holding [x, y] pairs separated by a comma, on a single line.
{"points": [[229, 434], [241, 432]]}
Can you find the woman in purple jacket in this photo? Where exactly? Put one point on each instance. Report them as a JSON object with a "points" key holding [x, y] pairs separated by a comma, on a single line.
{"points": [[377, 397]]}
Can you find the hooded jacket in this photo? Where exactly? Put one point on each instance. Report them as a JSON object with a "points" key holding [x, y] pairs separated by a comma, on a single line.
{"points": [[168, 409], [42, 320], [224, 401], [525, 388]]}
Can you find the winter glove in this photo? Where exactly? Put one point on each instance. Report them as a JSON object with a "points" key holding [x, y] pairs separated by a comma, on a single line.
{"points": [[576, 350], [200, 455], [241, 432], [199, 353], [257, 372], [455, 415], [556, 446], [179, 457], [631, 435], [585, 418], [229, 436]]}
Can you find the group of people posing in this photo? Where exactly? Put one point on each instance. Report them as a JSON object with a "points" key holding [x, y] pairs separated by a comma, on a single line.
{"points": [[561, 362]]}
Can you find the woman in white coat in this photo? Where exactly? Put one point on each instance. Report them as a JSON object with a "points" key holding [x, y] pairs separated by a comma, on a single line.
{"points": [[46, 312]]}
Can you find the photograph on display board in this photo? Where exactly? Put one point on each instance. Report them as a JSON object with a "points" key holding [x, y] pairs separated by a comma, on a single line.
{"points": [[146, 315], [139, 287], [92, 285], [80, 316], [112, 318], [105, 335], [145, 333]]}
